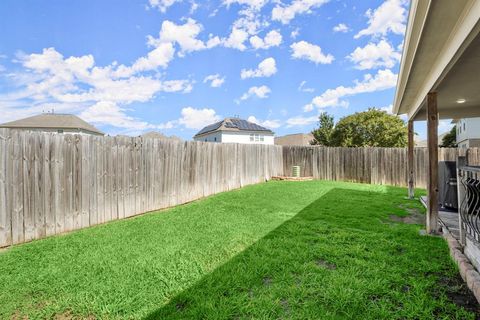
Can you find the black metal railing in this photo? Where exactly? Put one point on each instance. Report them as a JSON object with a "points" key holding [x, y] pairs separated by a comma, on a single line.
{"points": [[469, 178]]}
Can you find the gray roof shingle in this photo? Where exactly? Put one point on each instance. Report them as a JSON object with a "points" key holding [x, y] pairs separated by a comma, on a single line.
{"points": [[52, 121]]}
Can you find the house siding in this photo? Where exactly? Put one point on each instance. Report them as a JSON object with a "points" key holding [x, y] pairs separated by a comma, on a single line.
{"points": [[236, 137], [468, 133]]}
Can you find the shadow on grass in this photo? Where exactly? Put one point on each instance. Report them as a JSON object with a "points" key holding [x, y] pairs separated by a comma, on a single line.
{"points": [[340, 257]]}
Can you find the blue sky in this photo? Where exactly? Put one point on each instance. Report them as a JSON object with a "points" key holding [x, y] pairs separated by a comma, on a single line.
{"points": [[177, 65]]}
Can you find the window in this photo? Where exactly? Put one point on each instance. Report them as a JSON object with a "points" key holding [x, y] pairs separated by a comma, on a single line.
{"points": [[257, 138], [464, 126], [59, 131], [251, 137], [262, 138], [215, 139]]}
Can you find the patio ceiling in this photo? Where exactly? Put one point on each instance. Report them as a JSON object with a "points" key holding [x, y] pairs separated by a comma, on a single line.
{"points": [[442, 54]]}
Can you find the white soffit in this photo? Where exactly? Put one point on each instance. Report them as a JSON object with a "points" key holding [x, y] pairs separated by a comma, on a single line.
{"points": [[441, 54]]}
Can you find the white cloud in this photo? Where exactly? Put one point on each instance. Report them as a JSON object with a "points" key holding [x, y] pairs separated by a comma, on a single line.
{"points": [[184, 86], [294, 34], [248, 24], [250, 18], [77, 85], [162, 5], [303, 88], [193, 7], [215, 80], [197, 118], [301, 121], [249, 21], [390, 16], [341, 27], [260, 92], [272, 39], [213, 41], [266, 68], [388, 109], [124, 91], [286, 13], [184, 35], [383, 79], [375, 55], [158, 57], [308, 51], [271, 124], [236, 39], [252, 4], [107, 112], [213, 13]]}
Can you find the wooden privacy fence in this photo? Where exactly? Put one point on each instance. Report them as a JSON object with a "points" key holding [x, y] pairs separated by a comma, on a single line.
{"points": [[386, 166], [54, 183]]}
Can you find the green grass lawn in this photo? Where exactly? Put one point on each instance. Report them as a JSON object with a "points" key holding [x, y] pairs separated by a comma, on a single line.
{"points": [[300, 250]]}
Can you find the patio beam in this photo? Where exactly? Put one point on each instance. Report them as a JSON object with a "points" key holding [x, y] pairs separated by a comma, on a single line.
{"points": [[411, 172], [432, 183]]}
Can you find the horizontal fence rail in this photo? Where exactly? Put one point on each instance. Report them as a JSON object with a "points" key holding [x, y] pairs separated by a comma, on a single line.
{"points": [[55, 183]]}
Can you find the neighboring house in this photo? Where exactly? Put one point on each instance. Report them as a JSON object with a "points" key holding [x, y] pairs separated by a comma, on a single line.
{"points": [[468, 132], [234, 130], [161, 136], [54, 122], [296, 139]]}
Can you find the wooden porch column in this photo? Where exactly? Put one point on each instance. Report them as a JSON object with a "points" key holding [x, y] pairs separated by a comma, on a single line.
{"points": [[411, 172], [432, 183]]}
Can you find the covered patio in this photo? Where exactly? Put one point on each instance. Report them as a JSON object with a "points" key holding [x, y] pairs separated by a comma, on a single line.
{"points": [[439, 79]]}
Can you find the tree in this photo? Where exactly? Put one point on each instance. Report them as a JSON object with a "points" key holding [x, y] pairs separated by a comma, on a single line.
{"points": [[323, 134], [450, 139], [371, 128]]}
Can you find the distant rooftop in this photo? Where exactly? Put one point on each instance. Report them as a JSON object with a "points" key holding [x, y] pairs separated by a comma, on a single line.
{"points": [[159, 135], [295, 139], [233, 124], [52, 121]]}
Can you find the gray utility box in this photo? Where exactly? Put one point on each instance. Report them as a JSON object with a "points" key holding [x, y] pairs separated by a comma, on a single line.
{"points": [[447, 184]]}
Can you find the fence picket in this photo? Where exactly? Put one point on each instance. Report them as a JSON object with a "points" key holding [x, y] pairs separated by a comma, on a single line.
{"points": [[53, 183]]}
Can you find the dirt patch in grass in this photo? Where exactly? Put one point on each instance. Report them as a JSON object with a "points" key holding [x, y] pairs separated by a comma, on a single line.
{"points": [[267, 281], [415, 216], [405, 288], [458, 293], [18, 316], [325, 264], [285, 305], [67, 315]]}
